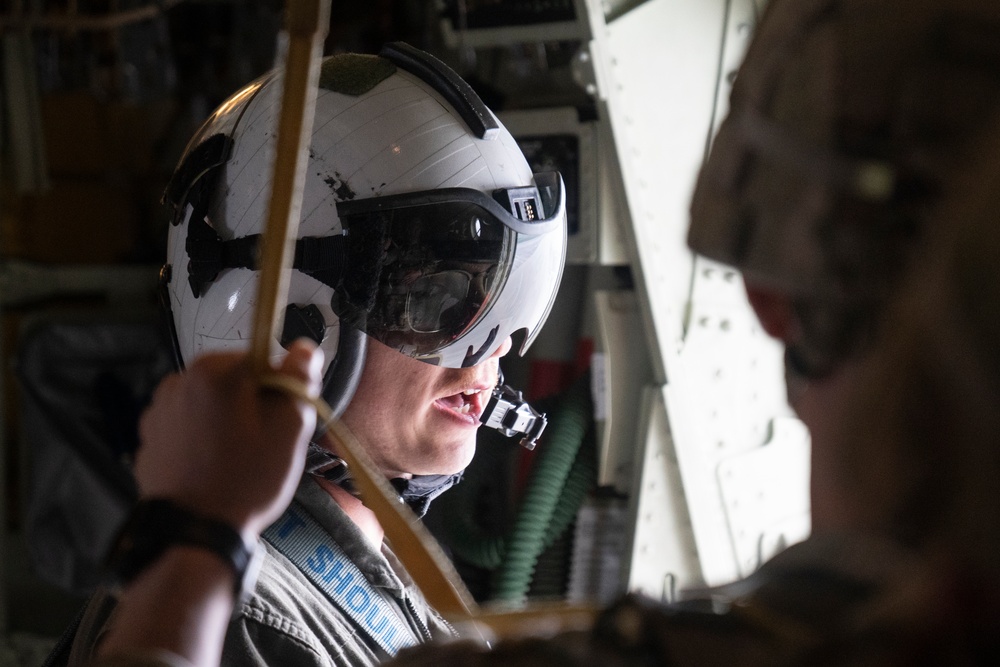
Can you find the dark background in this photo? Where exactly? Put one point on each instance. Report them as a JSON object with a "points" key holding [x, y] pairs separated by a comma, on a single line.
{"points": [[117, 101]]}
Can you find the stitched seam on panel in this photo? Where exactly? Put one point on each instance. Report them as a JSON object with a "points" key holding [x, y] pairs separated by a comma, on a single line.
{"points": [[280, 624]]}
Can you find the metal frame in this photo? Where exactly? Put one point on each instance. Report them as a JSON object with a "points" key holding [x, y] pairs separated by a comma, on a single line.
{"points": [[664, 70]]}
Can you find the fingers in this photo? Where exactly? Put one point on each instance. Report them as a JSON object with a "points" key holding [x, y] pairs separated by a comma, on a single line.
{"points": [[211, 430], [304, 362], [298, 377]]}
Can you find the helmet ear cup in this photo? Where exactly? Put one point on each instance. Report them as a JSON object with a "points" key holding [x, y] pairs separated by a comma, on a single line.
{"points": [[345, 369], [302, 322], [343, 373]]}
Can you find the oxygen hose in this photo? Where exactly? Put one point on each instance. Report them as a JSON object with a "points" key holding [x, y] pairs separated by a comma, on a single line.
{"points": [[580, 481], [466, 538], [563, 474], [549, 578], [476, 546], [541, 501]]}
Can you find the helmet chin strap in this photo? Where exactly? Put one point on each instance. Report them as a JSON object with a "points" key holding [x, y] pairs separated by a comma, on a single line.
{"points": [[339, 384], [417, 491], [344, 372]]}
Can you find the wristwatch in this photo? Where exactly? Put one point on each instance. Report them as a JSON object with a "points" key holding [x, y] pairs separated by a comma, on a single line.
{"points": [[156, 524]]}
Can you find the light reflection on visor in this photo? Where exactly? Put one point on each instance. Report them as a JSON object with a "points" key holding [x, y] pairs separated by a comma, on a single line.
{"points": [[427, 270], [437, 271], [433, 297]]}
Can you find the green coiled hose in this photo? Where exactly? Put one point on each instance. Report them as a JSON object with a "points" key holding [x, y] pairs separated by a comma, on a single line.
{"points": [[563, 474], [534, 525]]}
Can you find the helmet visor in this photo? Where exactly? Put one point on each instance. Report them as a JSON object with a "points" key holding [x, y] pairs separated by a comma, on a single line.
{"points": [[428, 269]]}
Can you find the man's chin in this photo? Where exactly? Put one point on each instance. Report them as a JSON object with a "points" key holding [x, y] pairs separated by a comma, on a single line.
{"points": [[449, 460]]}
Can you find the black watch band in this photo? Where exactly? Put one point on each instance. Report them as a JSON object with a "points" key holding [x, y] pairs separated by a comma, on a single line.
{"points": [[156, 524]]}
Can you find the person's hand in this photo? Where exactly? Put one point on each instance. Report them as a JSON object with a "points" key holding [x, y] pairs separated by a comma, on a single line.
{"points": [[214, 442]]}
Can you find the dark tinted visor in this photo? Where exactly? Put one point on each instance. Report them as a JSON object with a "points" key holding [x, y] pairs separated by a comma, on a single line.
{"points": [[422, 275], [447, 275]]}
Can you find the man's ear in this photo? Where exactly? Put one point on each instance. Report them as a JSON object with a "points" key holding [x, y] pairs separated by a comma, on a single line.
{"points": [[773, 309]]}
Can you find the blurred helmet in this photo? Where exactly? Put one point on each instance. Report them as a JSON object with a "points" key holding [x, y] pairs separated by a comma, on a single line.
{"points": [[846, 117], [422, 224]]}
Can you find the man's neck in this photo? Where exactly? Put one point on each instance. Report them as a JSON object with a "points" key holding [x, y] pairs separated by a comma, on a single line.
{"points": [[362, 517]]}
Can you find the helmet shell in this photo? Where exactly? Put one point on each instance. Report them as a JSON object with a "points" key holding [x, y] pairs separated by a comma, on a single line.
{"points": [[398, 135]]}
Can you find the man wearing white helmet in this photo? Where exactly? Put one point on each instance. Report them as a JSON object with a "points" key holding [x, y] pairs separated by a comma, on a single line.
{"points": [[425, 243]]}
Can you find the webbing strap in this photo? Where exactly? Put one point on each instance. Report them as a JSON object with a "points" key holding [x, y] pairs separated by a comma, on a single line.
{"points": [[309, 547], [321, 257]]}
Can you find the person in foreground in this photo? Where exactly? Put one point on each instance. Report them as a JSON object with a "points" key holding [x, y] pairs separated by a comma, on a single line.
{"points": [[425, 244], [855, 184]]}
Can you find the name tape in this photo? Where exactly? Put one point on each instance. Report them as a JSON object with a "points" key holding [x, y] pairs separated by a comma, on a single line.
{"points": [[309, 547]]}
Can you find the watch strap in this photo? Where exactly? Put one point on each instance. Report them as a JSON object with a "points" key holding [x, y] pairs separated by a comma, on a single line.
{"points": [[156, 524]]}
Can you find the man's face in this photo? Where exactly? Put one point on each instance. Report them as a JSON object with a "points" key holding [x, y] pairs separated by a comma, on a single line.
{"points": [[856, 478], [416, 418]]}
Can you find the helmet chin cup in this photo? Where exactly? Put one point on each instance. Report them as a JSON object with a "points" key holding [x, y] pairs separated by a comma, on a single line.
{"points": [[509, 413]]}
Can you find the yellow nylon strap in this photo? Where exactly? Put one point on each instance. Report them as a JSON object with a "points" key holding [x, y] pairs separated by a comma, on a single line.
{"points": [[306, 24]]}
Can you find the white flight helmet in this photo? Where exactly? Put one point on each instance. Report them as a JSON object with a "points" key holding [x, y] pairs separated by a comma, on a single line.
{"points": [[422, 224]]}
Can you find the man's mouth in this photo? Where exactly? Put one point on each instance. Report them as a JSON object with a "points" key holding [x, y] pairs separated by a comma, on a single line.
{"points": [[469, 402]]}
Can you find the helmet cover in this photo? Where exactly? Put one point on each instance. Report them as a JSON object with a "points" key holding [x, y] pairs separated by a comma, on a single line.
{"points": [[844, 117]]}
